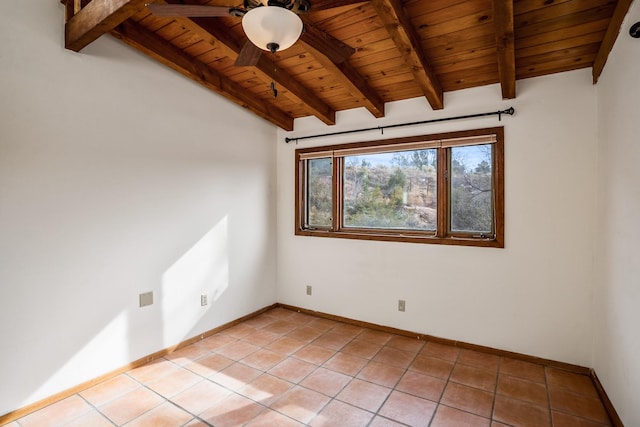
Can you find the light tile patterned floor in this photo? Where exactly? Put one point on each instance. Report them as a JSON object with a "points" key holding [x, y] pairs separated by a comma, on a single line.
{"points": [[284, 368]]}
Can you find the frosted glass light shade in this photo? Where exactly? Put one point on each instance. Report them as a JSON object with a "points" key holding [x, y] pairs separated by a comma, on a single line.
{"points": [[272, 24]]}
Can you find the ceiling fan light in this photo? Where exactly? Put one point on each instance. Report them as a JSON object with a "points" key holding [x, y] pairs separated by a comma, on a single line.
{"points": [[269, 25]]}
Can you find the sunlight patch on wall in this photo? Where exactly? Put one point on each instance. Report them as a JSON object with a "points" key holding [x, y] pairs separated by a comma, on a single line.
{"points": [[202, 270]]}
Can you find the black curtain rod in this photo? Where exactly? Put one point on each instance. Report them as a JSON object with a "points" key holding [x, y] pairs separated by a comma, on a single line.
{"points": [[499, 113]]}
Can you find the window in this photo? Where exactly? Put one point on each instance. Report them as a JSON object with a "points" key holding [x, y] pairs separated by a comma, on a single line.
{"points": [[445, 188]]}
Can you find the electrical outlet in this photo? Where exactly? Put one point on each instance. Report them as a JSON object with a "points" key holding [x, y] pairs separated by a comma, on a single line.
{"points": [[401, 304], [203, 300], [146, 299], [309, 289]]}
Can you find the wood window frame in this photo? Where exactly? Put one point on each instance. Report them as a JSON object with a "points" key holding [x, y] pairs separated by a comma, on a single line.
{"points": [[442, 234]]}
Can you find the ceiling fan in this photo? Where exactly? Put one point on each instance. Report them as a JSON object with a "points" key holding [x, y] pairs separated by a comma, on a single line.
{"points": [[270, 25]]}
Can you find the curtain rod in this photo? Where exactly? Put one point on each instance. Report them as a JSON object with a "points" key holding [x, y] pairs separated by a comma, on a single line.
{"points": [[499, 113]]}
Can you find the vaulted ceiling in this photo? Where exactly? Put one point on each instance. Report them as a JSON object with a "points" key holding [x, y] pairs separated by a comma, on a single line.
{"points": [[364, 53]]}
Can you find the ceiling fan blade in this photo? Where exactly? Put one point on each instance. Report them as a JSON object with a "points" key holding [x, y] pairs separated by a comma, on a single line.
{"points": [[329, 4], [249, 55], [190, 10]]}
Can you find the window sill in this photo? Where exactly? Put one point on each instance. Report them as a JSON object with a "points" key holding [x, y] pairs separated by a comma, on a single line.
{"points": [[406, 238]]}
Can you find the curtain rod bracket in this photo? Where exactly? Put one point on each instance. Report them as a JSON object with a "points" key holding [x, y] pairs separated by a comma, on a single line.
{"points": [[509, 111]]}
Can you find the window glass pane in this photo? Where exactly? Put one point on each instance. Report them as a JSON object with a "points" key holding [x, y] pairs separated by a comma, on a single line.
{"points": [[319, 198], [471, 189], [391, 190]]}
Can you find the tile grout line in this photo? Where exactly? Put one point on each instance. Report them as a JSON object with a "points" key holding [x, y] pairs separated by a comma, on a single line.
{"points": [[461, 363], [398, 381], [336, 351], [298, 384], [331, 398], [166, 399], [546, 383], [495, 391], [446, 384], [96, 409], [353, 377], [391, 389], [377, 412], [203, 379], [236, 361]]}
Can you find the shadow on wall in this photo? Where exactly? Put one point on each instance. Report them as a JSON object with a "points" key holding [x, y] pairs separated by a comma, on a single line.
{"points": [[134, 332]]}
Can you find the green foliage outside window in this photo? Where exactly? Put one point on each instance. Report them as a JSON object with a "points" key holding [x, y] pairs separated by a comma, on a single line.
{"points": [[320, 192], [471, 189], [390, 192]]}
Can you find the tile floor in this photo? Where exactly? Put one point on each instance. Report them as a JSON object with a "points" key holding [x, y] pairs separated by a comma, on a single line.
{"points": [[284, 368]]}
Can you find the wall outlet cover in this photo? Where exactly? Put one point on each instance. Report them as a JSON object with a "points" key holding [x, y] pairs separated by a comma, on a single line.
{"points": [[146, 299]]}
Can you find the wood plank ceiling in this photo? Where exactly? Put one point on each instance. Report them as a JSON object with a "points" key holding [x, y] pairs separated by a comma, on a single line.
{"points": [[393, 49]]}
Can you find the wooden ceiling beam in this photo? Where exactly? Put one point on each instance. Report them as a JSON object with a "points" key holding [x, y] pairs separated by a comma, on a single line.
{"points": [[171, 56], [346, 74], [329, 4], [621, 10], [218, 36], [406, 39], [95, 19], [357, 85], [334, 49], [506, 46]]}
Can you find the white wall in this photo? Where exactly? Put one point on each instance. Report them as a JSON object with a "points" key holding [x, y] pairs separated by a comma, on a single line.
{"points": [[616, 354], [534, 296], [118, 176]]}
